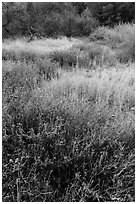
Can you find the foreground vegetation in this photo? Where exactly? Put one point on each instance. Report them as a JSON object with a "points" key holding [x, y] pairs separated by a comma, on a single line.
{"points": [[68, 118]]}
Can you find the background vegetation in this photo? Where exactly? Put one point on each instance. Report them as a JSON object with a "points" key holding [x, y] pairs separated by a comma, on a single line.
{"points": [[54, 19], [68, 106]]}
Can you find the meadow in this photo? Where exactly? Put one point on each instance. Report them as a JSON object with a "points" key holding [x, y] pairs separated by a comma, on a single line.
{"points": [[68, 118]]}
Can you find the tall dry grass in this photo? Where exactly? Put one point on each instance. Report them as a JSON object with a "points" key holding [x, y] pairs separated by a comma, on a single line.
{"points": [[70, 138], [76, 131]]}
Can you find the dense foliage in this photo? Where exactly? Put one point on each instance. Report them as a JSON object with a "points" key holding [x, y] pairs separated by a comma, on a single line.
{"points": [[55, 19]]}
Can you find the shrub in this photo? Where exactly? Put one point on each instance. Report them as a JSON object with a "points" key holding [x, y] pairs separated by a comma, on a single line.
{"points": [[47, 69], [115, 36], [82, 25], [65, 59], [101, 55], [121, 38]]}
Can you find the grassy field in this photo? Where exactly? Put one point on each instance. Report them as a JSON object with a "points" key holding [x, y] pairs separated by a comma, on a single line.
{"points": [[69, 118]]}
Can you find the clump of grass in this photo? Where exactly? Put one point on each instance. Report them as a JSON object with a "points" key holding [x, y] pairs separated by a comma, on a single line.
{"points": [[47, 69], [121, 38], [101, 56], [92, 54], [83, 49], [66, 58], [19, 79]]}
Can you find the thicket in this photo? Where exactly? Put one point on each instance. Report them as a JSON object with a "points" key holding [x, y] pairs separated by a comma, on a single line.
{"points": [[56, 19]]}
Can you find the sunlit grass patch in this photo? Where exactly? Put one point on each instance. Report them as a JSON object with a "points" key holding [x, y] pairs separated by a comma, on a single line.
{"points": [[21, 49]]}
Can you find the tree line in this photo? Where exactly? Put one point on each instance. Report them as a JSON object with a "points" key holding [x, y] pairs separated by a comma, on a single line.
{"points": [[53, 19]]}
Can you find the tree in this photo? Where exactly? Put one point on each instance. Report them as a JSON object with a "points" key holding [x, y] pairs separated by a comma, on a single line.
{"points": [[13, 15], [79, 7], [111, 13]]}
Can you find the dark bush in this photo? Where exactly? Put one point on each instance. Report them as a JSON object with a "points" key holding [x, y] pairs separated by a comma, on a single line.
{"points": [[65, 59]]}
